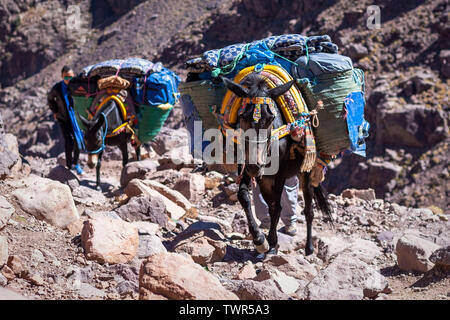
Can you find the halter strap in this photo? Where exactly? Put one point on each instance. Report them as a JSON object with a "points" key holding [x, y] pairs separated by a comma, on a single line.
{"points": [[257, 101]]}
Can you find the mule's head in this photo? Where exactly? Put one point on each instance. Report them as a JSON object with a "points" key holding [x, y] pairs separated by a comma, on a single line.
{"points": [[257, 114], [93, 138]]}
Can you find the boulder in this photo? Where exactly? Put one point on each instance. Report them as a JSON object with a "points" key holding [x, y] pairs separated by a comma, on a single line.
{"points": [[287, 284], [108, 240], [64, 175], [169, 139], [174, 276], [411, 126], [145, 227], [191, 186], [293, 265], [440, 257], [7, 294], [380, 174], [329, 247], [8, 157], [346, 278], [3, 251], [6, 211], [13, 146], [203, 241], [367, 195], [136, 187], [145, 208], [357, 51], [137, 170], [213, 179], [171, 194], [255, 290], [47, 200], [203, 250], [150, 244], [176, 159], [16, 265], [86, 291], [88, 197], [247, 272], [413, 253]]}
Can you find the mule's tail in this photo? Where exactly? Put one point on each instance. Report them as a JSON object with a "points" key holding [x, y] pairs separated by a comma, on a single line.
{"points": [[320, 196]]}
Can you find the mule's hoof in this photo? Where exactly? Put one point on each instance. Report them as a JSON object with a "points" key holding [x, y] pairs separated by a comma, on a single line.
{"points": [[272, 251], [264, 247], [98, 188], [309, 250]]}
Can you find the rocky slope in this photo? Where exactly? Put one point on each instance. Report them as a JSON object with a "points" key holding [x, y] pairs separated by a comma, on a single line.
{"points": [[406, 65], [395, 236], [155, 219]]}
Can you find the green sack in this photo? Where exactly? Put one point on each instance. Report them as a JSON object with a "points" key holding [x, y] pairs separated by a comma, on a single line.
{"points": [[81, 107], [207, 98], [150, 121], [331, 135]]}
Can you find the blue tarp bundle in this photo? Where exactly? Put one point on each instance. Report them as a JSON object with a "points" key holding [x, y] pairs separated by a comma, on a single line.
{"points": [[157, 88], [289, 46]]}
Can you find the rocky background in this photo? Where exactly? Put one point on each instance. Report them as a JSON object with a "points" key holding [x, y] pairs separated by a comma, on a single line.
{"points": [[154, 218]]}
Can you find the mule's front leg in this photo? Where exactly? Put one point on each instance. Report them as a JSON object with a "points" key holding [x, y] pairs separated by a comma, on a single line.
{"points": [[244, 199], [97, 168], [309, 213], [138, 153], [124, 149]]}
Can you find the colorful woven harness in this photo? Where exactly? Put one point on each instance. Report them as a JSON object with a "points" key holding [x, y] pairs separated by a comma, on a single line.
{"points": [[128, 120], [291, 104], [257, 101]]}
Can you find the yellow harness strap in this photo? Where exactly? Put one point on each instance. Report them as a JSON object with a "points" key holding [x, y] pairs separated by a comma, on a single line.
{"points": [[231, 104]]}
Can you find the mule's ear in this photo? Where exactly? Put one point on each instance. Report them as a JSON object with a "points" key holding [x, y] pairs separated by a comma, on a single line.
{"points": [[83, 120], [278, 91], [99, 123], [236, 88]]}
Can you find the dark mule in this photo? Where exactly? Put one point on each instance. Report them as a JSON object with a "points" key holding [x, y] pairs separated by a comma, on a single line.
{"points": [[271, 186], [96, 136]]}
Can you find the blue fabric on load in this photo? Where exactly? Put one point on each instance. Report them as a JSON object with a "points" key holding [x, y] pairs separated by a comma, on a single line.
{"points": [[358, 127], [290, 46], [160, 88], [78, 134], [258, 54], [320, 63]]}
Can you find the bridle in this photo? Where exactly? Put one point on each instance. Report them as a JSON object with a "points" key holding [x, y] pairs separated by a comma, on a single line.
{"points": [[102, 147], [258, 101]]}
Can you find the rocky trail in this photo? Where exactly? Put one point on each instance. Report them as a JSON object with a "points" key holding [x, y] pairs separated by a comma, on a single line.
{"points": [[166, 221]]}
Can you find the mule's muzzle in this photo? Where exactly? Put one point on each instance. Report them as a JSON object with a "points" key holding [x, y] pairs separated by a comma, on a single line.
{"points": [[92, 161]]}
